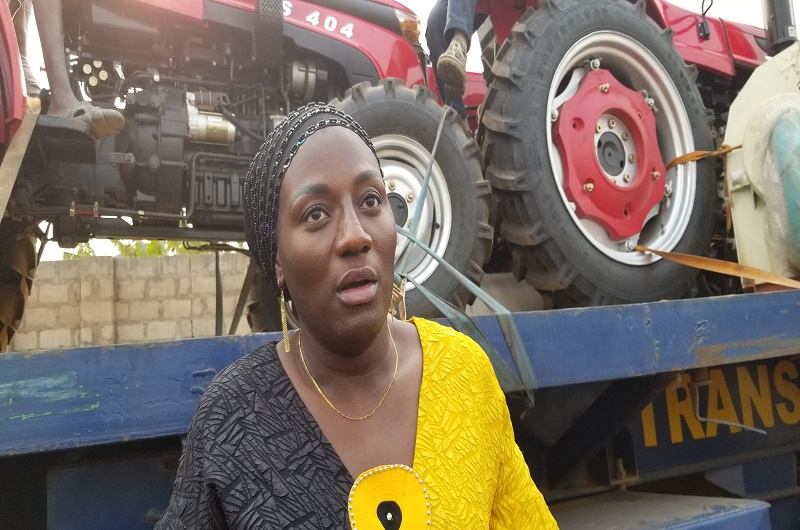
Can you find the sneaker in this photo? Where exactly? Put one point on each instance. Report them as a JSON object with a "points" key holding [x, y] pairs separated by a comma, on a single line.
{"points": [[103, 122], [451, 67]]}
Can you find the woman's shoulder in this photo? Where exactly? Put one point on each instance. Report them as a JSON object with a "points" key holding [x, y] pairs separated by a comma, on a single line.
{"points": [[241, 378], [433, 332], [443, 344], [263, 361]]}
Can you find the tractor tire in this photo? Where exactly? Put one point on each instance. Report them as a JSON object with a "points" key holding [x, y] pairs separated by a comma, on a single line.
{"points": [[543, 72], [17, 268], [402, 123]]}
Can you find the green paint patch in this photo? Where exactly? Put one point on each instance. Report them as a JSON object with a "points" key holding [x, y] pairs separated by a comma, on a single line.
{"points": [[24, 417], [41, 389]]}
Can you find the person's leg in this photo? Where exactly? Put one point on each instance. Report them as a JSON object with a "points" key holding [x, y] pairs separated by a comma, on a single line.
{"points": [[458, 31], [434, 35], [21, 10], [460, 19], [103, 122], [51, 35]]}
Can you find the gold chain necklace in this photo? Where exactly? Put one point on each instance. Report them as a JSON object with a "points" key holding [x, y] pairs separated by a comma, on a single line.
{"points": [[328, 401]]}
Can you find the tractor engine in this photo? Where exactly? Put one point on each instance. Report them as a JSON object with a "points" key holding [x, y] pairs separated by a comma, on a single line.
{"points": [[197, 106]]}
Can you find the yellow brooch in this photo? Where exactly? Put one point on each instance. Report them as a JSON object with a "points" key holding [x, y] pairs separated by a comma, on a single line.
{"points": [[389, 498]]}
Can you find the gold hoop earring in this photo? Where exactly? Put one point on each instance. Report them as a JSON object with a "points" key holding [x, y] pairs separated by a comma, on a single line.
{"points": [[283, 323]]}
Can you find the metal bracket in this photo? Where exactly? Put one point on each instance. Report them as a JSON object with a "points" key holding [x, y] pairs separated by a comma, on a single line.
{"points": [[247, 285], [621, 477], [695, 386], [116, 159]]}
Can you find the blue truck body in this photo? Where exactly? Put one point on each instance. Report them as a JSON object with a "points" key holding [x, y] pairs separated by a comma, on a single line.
{"points": [[646, 416]]}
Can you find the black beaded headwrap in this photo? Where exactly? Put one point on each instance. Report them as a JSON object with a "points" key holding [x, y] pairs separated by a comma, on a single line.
{"points": [[263, 183]]}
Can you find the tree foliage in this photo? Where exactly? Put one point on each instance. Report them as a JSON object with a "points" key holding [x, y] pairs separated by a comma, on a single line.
{"points": [[130, 248], [82, 250], [133, 249], [144, 248]]}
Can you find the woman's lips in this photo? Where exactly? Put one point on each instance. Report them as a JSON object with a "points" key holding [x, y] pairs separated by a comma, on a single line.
{"points": [[358, 293]]}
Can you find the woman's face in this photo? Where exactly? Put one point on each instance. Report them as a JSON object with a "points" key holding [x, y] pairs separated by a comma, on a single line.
{"points": [[336, 235]]}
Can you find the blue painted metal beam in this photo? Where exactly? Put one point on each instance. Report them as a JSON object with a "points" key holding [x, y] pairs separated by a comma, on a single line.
{"points": [[100, 395], [614, 342]]}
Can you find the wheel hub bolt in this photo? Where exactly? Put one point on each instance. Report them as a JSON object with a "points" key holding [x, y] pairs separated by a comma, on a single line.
{"points": [[588, 187], [627, 177], [631, 158], [572, 206], [627, 246], [598, 128], [625, 136], [594, 64], [604, 88], [668, 189], [656, 175], [612, 124], [410, 197], [392, 185], [554, 115]]}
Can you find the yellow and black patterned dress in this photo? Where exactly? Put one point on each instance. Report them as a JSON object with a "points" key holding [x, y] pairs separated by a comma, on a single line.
{"points": [[255, 457]]}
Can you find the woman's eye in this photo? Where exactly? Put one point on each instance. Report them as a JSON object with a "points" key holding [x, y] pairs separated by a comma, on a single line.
{"points": [[315, 215], [372, 201]]}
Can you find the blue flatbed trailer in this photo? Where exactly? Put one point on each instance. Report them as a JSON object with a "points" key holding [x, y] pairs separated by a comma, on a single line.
{"points": [[625, 432]]}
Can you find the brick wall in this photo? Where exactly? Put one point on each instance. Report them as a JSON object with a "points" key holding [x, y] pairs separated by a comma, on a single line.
{"points": [[104, 300]]}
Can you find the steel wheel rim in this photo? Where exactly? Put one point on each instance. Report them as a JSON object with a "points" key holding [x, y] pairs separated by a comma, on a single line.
{"points": [[637, 68], [404, 163]]}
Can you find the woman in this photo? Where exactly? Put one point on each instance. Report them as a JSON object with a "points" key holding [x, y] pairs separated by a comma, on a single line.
{"points": [[355, 420]]}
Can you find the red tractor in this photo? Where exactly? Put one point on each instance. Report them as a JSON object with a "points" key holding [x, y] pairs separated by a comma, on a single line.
{"points": [[587, 102]]}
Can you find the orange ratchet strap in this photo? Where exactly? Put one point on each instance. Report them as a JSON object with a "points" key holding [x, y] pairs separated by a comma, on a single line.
{"points": [[723, 267]]}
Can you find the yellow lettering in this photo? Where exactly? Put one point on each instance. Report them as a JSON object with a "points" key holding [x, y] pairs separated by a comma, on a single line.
{"points": [[759, 396], [720, 404], [788, 390], [649, 426], [678, 409]]}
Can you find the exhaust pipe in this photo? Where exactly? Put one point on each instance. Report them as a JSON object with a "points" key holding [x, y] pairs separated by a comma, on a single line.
{"points": [[779, 21]]}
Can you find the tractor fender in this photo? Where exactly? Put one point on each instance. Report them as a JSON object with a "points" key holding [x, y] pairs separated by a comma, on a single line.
{"points": [[12, 109], [366, 51]]}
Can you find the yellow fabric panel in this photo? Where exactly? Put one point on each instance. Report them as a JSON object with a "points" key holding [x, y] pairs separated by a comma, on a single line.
{"points": [[465, 452]]}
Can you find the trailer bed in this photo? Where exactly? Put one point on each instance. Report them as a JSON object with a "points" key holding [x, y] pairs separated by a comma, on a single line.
{"points": [[68, 417]]}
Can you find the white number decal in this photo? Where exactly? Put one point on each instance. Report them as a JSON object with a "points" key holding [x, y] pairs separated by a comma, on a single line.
{"points": [[347, 31], [287, 8], [329, 24], [313, 18]]}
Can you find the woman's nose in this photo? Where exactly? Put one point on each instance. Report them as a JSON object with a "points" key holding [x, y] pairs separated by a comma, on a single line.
{"points": [[352, 236]]}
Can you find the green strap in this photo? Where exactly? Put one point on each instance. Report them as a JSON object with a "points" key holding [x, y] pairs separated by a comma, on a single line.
{"points": [[517, 348], [423, 192], [509, 382]]}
